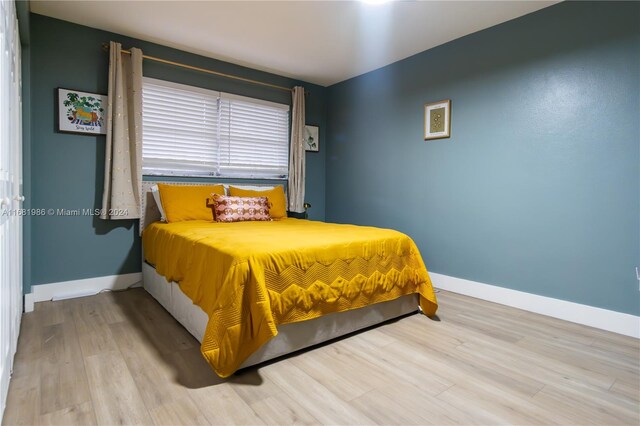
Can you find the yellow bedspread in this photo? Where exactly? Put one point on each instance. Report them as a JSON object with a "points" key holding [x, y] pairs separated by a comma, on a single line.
{"points": [[249, 277]]}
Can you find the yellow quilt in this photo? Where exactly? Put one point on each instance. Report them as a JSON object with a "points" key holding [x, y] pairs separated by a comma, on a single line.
{"points": [[249, 277]]}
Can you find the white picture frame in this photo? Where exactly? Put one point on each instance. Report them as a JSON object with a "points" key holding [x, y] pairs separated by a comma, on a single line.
{"points": [[311, 138], [437, 120], [81, 112]]}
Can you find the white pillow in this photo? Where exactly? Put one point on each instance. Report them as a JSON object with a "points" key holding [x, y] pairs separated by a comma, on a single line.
{"points": [[156, 196], [248, 187]]}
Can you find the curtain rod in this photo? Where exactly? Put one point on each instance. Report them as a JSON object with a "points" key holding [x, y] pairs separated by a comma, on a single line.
{"points": [[105, 47]]}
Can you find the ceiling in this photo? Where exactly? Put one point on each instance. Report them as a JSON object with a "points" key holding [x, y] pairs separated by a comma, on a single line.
{"points": [[322, 42]]}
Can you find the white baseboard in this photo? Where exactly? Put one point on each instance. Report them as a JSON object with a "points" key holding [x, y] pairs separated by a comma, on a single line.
{"points": [[29, 302], [603, 319], [78, 288]]}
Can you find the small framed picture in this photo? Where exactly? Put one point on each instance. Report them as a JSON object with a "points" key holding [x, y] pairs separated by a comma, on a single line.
{"points": [[311, 138], [81, 112], [437, 120]]}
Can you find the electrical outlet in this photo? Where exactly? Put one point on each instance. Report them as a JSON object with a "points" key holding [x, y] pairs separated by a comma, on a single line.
{"points": [[638, 277]]}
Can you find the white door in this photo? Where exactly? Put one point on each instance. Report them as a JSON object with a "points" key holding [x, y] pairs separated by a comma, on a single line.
{"points": [[10, 193]]}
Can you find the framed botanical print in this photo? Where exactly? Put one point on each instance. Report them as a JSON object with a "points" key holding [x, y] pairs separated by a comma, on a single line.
{"points": [[437, 120], [311, 138], [81, 112]]}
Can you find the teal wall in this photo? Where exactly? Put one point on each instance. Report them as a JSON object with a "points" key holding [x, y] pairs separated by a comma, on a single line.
{"points": [[66, 171], [538, 187]]}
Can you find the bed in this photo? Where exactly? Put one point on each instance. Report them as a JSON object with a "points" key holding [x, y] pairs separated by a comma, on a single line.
{"points": [[253, 291]]}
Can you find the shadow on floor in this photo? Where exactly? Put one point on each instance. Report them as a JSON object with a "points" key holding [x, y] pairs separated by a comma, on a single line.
{"points": [[179, 349], [166, 337]]}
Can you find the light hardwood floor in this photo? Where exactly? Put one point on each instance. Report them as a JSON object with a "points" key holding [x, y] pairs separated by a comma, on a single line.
{"points": [[119, 358]]}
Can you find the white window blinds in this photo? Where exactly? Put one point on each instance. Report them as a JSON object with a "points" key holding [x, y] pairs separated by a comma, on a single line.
{"points": [[188, 131], [179, 129]]}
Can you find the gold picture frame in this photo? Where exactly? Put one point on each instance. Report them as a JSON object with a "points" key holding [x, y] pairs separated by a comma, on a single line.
{"points": [[437, 120]]}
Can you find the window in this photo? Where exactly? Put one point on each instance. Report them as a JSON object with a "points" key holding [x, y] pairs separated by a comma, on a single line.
{"points": [[188, 131]]}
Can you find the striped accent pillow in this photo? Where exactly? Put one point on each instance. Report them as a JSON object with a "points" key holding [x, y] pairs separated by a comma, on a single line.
{"points": [[239, 209]]}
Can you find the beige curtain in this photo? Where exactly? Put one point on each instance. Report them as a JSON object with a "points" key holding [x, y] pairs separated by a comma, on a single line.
{"points": [[123, 153], [296, 153]]}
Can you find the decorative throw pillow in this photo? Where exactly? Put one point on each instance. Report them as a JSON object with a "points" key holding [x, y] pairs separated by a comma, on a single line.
{"points": [[239, 209], [275, 195], [187, 202]]}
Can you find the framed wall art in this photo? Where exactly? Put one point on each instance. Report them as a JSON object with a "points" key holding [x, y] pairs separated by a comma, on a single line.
{"points": [[311, 138], [437, 120], [81, 112]]}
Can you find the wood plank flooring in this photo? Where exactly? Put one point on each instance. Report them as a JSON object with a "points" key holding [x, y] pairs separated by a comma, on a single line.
{"points": [[119, 358]]}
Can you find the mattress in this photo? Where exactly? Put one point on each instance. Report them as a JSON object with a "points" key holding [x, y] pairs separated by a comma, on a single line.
{"points": [[252, 278], [291, 337]]}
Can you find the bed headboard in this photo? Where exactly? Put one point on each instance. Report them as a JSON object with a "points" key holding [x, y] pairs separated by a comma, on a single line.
{"points": [[149, 209]]}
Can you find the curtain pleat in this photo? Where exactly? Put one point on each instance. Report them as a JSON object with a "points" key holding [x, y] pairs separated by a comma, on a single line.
{"points": [[123, 151], [297, 153]]}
